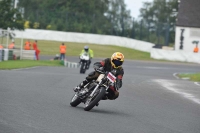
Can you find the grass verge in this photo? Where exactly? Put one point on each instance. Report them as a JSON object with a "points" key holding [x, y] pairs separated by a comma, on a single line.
{"points": [[15, 64], [192, 77], [74, 49]]}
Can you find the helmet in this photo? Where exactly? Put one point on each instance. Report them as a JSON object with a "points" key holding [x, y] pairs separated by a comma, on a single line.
{"points": [[86, 48], [117, 59]]}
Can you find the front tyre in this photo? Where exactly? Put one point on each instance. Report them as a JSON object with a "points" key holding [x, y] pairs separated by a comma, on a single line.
{"points": [[75, 100], [84, 67], [91, 102], [81, 68]]}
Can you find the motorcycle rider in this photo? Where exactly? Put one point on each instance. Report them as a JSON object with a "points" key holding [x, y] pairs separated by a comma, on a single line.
{"points": [[90, 52], [108, 64]]}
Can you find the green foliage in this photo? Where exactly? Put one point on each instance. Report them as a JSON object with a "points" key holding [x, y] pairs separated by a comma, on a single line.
{"points": [[10, 17], [15, 64], [160, 17], [191, 76], [36, 25], [79, 16], [108, 17]]}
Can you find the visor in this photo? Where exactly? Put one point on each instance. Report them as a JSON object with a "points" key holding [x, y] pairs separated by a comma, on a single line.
{"points": [[117, 62]]}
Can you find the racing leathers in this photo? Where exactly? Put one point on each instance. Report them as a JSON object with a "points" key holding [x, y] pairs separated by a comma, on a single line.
{"points": [[91, 55], [105, 65]]}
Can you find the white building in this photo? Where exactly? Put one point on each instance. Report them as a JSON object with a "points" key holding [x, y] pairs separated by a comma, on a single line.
{"points": [[188, 26]]}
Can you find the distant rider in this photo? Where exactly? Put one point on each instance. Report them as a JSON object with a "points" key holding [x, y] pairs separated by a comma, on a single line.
{"points": [[90, 52], [108, 64]]}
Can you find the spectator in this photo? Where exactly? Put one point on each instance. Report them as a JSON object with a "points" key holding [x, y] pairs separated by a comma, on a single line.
{"points": [[1, 46], [62, 51], [27, 45], [37, 51], [196, 49], [11, 46]]}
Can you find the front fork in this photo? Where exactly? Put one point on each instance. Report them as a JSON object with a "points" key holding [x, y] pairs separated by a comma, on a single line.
{"points": [[97, 88]]}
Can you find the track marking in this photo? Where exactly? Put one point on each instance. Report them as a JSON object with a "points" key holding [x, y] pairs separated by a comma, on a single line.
{"points": [[171, 86], [185, 78], [153, 67], [25, 68], [176, 76], [197, 83]]}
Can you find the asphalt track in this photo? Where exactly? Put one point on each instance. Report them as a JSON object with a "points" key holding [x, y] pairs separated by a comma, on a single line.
{"points": [[152, 100]]}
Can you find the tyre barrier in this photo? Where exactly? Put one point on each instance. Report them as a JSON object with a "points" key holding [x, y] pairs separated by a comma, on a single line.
{"points": [[71, 64]]}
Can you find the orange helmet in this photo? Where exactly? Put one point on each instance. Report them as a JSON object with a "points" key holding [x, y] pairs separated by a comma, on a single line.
{"points": [[117, 59]]}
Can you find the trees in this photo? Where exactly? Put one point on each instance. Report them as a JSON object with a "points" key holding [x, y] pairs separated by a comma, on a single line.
{"points": [[10, 17], [110, 17], [160, 19], [97, 16]]}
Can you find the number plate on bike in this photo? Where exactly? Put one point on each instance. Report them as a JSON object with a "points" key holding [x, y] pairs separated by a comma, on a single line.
{"points": [[111, 77]]}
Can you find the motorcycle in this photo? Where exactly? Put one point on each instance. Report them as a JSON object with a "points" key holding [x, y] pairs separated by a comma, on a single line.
{"points": [[84, 61], [94, 91]]}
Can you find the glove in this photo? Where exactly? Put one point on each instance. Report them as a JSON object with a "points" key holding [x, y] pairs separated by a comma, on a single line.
{"points": [[118, 84]]}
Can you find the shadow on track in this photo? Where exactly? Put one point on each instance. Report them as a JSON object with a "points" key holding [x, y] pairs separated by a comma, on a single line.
{"points": [[103, 111]]}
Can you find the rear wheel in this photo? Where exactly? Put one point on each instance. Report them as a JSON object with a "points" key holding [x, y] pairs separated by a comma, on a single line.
{"points": [[94, 100], [75, 100]]}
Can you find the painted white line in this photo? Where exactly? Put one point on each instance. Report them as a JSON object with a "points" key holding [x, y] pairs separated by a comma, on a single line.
{"points": [[176, 76], [171, 86], [25, 68], [197, 83], [185, 78]]}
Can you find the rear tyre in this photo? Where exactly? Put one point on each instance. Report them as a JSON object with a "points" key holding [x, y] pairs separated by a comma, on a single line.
{"points": [[75, 100], [90, 103]]}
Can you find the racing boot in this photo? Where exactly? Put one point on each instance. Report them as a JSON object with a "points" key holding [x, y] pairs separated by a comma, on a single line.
{"points": [[105, 97], [80, 86]]}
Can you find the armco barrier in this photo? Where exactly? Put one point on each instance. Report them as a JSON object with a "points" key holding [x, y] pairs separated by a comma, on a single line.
{"points": [[26, 54], [37, 34], [182, 56]]}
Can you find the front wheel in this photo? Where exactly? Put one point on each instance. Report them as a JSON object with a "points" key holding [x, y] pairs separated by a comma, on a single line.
{"points": [[82, 69], [91, 102], [75, 100]]}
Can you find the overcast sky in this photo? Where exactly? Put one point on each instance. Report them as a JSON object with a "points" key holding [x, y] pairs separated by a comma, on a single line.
{"points": [[134, 6]]}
